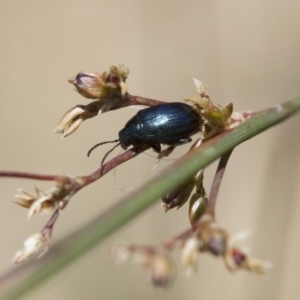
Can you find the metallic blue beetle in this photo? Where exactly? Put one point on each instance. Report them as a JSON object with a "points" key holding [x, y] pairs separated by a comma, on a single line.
{"points": [[169, 123]]}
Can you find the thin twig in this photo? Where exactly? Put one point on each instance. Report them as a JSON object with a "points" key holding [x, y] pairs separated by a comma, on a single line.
{"points": [[137, 100], [110, 165], [173, 242], [49, 226], [210, 208], [27, 175]]}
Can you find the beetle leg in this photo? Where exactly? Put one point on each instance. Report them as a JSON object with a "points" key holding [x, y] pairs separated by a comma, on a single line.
{"points": [[180, 142], [156, 147]]}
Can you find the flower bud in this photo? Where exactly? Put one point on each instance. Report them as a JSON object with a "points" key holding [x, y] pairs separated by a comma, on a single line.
{"points": [[89, 85], [215, 118], [198, 200], [178, 197], [35, 245], [162, 271], [227, 111], [100, 86], [213, 237], [197, 207], [157, 263]]}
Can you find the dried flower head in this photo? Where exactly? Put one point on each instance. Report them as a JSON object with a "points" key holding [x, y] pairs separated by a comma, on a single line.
{"points": [[215, 118], [45, 202], [42, 202], [237, 259], [70, 121], [108, 88], [73, 118], [35, 246], [100, 86], [89, 85], [158, 264], [216, 240], [213, 238]]}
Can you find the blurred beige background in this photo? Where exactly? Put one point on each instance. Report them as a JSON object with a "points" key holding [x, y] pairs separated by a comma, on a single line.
{"points": [[247, 52]]}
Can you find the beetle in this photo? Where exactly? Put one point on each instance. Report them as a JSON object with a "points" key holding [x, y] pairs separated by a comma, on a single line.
{"points": [[170, 123]]}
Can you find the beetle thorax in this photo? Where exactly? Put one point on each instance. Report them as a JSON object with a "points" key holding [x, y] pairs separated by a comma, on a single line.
{"points": [[132, 134]]}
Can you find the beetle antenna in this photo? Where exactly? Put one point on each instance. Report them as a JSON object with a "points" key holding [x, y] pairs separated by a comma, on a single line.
{"points": [[97, 145], [106, 154]]}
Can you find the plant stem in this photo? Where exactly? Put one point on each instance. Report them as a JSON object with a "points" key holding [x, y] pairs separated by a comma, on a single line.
{"points": [[27, 175], [212, 199]]}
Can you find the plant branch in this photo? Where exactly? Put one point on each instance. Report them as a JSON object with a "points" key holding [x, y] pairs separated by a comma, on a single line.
{"points": [[137, 100], [49, 226], [210, 208], [27, 175]]}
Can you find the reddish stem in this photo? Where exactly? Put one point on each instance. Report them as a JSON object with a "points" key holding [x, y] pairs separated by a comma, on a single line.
{"points": [[137, 100], [171, 243], [27, 175], [48, 227], [110, 165], [210, 208]]}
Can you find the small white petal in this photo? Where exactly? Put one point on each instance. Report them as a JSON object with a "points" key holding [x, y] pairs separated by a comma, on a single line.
{"points": [[238, 237], [68, 130], [123, 88], [38, 207], [120, 253], [190, 256], [257, 266], [197, 83], [241, 235]]}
